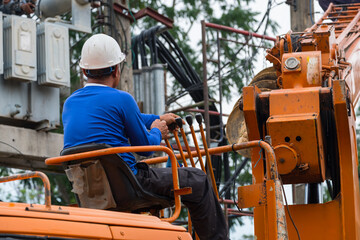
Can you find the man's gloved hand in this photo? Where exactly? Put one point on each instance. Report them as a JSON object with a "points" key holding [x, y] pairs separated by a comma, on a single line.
{"points": [[162, 126]]}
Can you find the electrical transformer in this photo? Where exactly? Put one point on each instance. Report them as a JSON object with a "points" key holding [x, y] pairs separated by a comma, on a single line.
{"points": [[53, 55], [158, 87], [19, 48], [147, 81]]}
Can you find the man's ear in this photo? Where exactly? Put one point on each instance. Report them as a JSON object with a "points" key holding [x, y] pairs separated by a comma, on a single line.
{"points": [[116, 72], [84, 72], [116, 76]]}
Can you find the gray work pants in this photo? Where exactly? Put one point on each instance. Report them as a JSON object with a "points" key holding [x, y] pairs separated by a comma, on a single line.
{"points": [[205, 211]]}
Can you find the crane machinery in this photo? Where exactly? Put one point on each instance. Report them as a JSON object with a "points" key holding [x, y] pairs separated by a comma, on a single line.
{"points": [[306, 110], [297, 117]]}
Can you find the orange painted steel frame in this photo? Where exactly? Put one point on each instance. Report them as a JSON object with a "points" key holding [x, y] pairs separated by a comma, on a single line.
{"points": [[40, 175], [84, 223], [339, 218]]}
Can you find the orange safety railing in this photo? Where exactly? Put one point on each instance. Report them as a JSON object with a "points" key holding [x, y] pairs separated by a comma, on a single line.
{"points": [[228, 148], [270, 156], [40, 175], [115, 150]]}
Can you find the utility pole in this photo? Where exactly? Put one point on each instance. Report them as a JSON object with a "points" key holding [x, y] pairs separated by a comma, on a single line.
{"points": [[121, 32], [301, 17], [301, 14]]}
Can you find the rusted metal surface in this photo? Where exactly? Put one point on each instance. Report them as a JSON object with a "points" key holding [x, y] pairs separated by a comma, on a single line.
{"points": [[205, 85], [155, 15], [118, 8], [282, 232], [40, 175], [242, 32], [123, 11]]}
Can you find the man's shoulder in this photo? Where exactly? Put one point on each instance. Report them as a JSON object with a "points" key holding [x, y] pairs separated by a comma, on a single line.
{"points": [[122, 93], [105, 93]]}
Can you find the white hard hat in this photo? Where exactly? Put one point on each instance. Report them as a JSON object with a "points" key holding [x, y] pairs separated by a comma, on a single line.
{"points": [[100, 51]]}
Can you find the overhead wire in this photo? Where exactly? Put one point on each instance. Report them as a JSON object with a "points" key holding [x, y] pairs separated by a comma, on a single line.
{"points": [[18, 151]]}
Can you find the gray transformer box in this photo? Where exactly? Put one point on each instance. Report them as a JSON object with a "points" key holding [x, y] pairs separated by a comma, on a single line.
{"points": [[29, 105], [19, 48], [53, 55], [45, 106]]}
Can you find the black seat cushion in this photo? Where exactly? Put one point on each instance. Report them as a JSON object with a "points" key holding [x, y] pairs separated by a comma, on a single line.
{"points": [[127, 191]]}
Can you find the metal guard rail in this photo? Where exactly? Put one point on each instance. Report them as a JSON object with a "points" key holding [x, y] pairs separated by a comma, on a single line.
{"points": [[40, 175], [270, 163]]}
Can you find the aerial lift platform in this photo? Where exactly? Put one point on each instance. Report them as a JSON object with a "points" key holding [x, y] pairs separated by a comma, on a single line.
{"points": [[308, 125]]}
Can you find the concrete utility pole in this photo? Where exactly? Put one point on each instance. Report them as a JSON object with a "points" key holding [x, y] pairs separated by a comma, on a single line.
{"points": [[300, 14], [123, 36]]}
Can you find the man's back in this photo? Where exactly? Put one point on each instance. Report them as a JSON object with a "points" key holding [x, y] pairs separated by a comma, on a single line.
{"points": [[101, 114]]}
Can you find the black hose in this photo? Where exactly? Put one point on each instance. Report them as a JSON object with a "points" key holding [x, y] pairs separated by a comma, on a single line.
{"points": [[227, 184]]}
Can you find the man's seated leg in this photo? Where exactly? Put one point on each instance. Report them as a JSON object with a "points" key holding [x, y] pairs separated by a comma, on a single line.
{"points": [[205, 210]]}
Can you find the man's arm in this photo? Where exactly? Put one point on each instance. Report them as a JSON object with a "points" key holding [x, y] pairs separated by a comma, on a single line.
{"points": [[149, 119], [135, 128]]}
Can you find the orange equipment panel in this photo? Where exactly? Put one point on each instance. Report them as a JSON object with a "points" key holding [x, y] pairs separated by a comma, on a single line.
{"points": [[301, 69], [298, 147]]}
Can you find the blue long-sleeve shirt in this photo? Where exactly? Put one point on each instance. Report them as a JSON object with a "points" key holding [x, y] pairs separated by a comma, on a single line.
{"points": [[101, 114]]}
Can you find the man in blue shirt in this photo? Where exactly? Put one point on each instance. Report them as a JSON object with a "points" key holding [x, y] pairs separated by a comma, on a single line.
{"points": [[99, 113]]}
